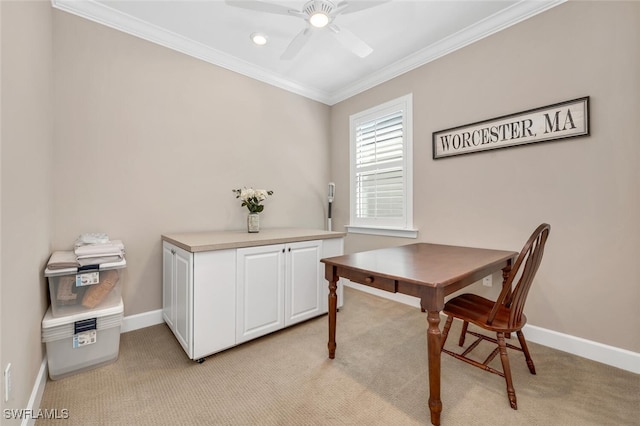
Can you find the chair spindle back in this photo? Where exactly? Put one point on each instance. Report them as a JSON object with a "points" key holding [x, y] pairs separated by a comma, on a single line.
{"points": [[522, 273]]}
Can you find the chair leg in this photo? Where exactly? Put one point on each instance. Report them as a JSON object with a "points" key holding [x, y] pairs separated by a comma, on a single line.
{"points": [[463, 333], [511, 392], [445, 331], [525, 349]]}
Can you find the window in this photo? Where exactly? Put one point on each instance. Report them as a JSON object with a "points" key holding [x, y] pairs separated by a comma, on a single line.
{"points": [[381, 175]]}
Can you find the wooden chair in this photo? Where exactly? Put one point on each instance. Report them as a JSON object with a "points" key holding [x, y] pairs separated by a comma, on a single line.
{"points": [[504, 316]]}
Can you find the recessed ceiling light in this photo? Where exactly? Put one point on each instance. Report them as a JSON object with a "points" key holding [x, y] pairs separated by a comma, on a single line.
{"points": [[259, 39], [319, 20]]}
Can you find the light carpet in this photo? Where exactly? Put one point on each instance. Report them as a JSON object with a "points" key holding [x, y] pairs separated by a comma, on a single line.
{"points": [[379, 377]]}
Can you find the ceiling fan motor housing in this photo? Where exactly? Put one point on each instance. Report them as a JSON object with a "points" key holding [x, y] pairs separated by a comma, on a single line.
{"points": [[319, 6]]}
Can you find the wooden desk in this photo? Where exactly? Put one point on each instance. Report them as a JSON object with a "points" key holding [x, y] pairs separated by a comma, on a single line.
{"points": [[427, 271]]}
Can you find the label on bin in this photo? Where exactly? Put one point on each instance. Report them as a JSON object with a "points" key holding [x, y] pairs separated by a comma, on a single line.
{"points": [[88, 278], [85, 338], [85, 325]]}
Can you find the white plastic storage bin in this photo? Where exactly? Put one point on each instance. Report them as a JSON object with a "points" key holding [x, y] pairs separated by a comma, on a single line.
{"points": [[74, 291], [80, 342]]}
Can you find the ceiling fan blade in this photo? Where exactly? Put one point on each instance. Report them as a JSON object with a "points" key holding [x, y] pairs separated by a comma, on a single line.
{"points": [[296, 44], [351, 41], [345, 7], [262, 6]]}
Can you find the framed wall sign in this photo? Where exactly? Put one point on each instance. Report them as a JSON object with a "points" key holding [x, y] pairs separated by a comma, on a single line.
{"points": [[558, 121]]}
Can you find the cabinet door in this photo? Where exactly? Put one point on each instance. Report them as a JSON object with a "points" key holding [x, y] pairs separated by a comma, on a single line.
{"points": [[260, 291], [303, 292], [168, 279], [183, 300]]}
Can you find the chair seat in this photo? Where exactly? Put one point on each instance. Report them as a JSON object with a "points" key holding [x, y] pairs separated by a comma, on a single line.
{"points": [[476, 309]]}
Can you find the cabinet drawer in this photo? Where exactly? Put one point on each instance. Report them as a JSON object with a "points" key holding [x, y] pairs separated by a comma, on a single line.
{"points": [[381, 283]]}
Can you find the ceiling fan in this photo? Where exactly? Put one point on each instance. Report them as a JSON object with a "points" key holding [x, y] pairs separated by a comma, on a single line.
{"points": [[318, 14]]}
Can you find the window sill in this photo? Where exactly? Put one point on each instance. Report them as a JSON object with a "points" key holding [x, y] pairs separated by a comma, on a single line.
{"points": [[387, 232]]}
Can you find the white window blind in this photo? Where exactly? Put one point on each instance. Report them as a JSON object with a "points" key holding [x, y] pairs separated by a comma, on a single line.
{"points": [[379, 168], [381, 190]]}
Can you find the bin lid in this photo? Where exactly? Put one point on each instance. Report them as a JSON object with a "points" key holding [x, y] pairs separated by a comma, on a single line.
{"points": [[50, 321], [70, 271], [69, 329]]}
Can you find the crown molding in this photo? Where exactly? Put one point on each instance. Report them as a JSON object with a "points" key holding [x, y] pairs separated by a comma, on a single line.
{"points": [[102, 14], [508, 17], [105, 15]]}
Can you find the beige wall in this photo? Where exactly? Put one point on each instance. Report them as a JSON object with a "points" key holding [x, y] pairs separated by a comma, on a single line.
{"points": [[587, 188], [26, 194], [150, 141]]}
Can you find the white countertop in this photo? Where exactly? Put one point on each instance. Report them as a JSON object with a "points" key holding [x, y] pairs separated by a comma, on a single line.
{"points": [[219, 240]]}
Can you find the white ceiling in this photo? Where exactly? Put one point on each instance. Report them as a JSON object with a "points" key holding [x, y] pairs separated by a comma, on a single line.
{"points": [[403, 34]]}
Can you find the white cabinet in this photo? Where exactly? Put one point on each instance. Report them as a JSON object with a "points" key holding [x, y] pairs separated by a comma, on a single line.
{"points": [[218, 298], [176, 294], [278, 286]]}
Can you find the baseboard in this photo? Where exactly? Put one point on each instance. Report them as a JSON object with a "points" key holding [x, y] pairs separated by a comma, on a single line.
{"points": [[36, 394], [145, 319], [609, 355]]}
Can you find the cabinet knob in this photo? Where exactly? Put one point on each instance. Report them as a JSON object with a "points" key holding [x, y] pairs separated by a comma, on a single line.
{"points": [[368, 280]]}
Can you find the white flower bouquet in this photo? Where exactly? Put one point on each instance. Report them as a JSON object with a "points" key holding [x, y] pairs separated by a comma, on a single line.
{"points": [[252, 198]]}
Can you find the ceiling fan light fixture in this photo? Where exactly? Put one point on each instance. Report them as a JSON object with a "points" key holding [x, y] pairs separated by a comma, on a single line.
{"points": [[258, 38], [319, 20], [318, 14]]}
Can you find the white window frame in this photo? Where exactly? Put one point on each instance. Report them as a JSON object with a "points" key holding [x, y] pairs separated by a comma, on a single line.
{"points": [[402, 227]]}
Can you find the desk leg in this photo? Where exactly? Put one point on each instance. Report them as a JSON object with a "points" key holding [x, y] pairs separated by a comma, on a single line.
{"points": [[333, 304], [506, 271], [434, 337]]}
